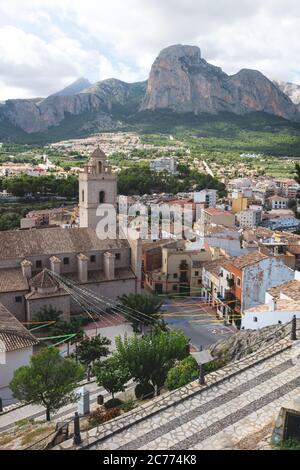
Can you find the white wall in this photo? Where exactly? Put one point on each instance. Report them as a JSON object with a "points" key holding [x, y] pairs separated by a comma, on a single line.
{"points": [[14, 360], [267, 318]]}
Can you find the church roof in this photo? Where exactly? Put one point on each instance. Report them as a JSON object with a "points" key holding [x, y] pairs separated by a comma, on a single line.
{"points": [[13, 335], [54, 241], [43, 280]]}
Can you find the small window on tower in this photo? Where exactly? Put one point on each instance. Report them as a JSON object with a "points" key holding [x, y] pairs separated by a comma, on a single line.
{"points": [[82, 196], [100, 167], [102, 197]]}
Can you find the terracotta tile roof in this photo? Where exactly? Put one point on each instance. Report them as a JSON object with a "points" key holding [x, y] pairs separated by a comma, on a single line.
{"points": [[54, 241], [283, 305], [13, 335], [242, 262], [294, 249], [213, 267], [43, 280], [214, 211], [291, 289], [12, 280]]}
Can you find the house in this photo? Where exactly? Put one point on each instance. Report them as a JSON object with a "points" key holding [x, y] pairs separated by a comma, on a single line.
{"points": [[278, 202], [16, 348], [206, 196], [281, 304], [249, 218], [181, 270], [213, 215], [245, 280], [164, 164]]}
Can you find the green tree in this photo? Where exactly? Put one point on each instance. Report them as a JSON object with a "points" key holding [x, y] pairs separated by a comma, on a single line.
{"points": [[185, 372], [111, 375], [92, 349], [49, 380], [149, 358], [141, 310]]}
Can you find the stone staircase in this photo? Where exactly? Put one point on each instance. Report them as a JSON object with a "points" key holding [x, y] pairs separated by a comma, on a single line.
{"points": [[237, 402]]}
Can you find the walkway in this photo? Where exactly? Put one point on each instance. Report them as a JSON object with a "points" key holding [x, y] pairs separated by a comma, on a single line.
{"points": [[220, 416]]}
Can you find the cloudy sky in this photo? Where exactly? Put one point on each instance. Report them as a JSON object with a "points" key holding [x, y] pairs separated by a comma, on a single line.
{"points": [[47, 44]]}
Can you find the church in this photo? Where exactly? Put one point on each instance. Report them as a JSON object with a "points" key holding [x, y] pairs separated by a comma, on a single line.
{"points": [[106, 267]]}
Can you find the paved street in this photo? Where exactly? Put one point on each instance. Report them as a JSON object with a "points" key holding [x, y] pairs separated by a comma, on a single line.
{"points": [[197, 320]]}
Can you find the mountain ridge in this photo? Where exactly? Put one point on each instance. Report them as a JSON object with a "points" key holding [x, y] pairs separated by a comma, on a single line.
{"points": [[180, 81]]}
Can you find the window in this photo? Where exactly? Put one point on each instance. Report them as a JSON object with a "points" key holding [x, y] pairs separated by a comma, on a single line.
{"points": [[101, 197], [38, 264], [238, 281], [93, 259], [175, 276], [255, 319], [196, 273], [175, 287], [199, 282], [118, 256], [18, 299], [82, 195], [66, 261], [100, 167]]}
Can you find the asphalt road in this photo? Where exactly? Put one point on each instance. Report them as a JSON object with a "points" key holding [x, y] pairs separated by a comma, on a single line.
{"points": [[197, 321]]}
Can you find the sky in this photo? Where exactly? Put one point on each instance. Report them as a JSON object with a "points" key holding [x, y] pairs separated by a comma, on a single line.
{"points": [[47, 44]]}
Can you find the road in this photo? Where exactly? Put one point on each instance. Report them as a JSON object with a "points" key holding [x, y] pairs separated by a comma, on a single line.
{"points": [[208, 169], [197, 321]]}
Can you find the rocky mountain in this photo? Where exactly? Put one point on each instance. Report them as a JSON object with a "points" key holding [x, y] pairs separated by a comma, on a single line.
{"points": [[75, 87], [183, 81], [292, 90], [180, 81]]}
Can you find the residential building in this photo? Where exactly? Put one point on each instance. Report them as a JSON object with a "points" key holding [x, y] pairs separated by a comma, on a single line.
{"points": [[248, 277], [206, 196], [212, 215], [239, 204], [281, 304], [278, 202], [16, 349], [164, 164], [181, 270], [249, 218]]}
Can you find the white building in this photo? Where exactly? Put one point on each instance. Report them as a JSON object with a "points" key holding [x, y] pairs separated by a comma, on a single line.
{"points": [[249, 218], [164, 164], [16, 349], [282, 303], [208, 196], [278, 202]]}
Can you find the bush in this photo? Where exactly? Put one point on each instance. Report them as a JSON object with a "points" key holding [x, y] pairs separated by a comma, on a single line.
{"points": [[143, 391], [185, 372], [213, 365], [128, 405], [99, 416], [113, 403]]}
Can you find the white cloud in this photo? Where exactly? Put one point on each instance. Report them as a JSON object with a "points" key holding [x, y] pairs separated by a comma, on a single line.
{"points": [[45, 44]]}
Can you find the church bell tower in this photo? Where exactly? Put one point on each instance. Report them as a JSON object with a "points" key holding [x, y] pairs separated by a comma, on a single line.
{"points": [[97, 185]]}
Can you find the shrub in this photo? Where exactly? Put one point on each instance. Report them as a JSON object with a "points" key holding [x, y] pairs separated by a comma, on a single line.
{"points": [[113, 403], [128, 405], [143, 391], [185, 372], [99, 416], [213, 365]]}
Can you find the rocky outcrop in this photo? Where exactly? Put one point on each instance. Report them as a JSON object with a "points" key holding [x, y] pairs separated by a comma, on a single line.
{"points": [[246, 342], [180, 81], [183, 81], [292, 90], [39, 115]]}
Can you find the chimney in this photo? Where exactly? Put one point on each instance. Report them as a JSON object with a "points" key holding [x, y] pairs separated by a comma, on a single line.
{"points": [[26, 268], [55, 265], [82, 267], [109, 266], [273, 305]]}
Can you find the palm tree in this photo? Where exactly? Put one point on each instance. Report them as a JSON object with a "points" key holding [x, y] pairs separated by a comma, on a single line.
{"points": [[140, 310]]}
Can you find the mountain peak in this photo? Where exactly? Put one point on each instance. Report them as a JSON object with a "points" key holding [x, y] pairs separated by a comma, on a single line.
{"points": [[76, 87]]}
